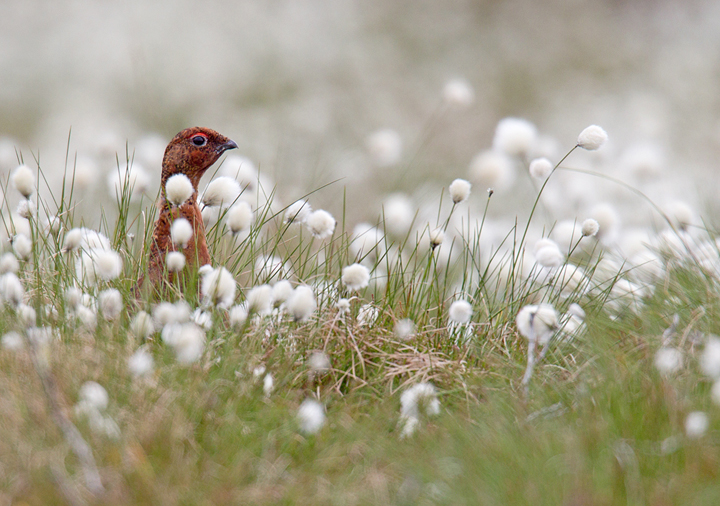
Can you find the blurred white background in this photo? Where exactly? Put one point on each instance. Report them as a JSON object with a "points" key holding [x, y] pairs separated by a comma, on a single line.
{"points": [[301, 84]]}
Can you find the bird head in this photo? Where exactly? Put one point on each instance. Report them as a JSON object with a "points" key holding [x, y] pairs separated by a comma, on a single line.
{"points": [[192, 152]]}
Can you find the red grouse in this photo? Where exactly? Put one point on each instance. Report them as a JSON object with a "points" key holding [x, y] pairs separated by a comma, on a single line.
{"points": [[191, 152]]}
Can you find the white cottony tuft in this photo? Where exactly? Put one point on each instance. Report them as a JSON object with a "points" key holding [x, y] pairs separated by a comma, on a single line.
{"points": [[398, 214], [187, 340], [492, 169], [260, 299], [178, 189], [98, 263], [537, 323], [515, 136], [405, 329], [23, 179], [180, 232], [167, 313], [141, 363], [111, 303], [590, 227], [710, 358], [268, 384], [343, 306], [367, 315], [547, 253], [592, 138], [311, 416], [541, 168], [355, 276], [301, 304], [668, 360], [384, 147], [680, 213], [175, 261], [239, 217], [26, 315], [142, 325], [416, 400], [237, 315], [22, 246], [281, 291], [320, 223], [8, 263], [437, 236], [73, 239], [715, 393], [11, 289], [460, 190], [12, 341], [297, 212], [460, 312], [221, 191], [458, 93], [218, 287], [696, 424], [94, 394], [26, 209], [319, 362]]}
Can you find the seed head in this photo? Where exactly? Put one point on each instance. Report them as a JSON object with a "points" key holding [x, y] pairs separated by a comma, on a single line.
{"points": [[668, 360], [385, 147], [297, 212], [458, 93], [72, 240], [515, 136], [238, 315], [460, 190], [302, 303], [460, 312], [537, 322], [94, 394], [590, 227], [111, 303], [178, 189], [11, 289], [218, 287], [22, 246], [23, 179], [142, 325], [175, 261], [541, 168], [437, 236], [239, 217], [321, 224], [398, 213], [141, 363], [592, 138], [8, 263], [696, 424], [180, 232], [281, 291], [260, 299], [492, 169], [405, 329], [221, 190], [311, 416], [355, 276]]}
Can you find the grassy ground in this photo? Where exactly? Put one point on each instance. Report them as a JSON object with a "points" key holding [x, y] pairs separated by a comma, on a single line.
{"points": [[599, 423]]}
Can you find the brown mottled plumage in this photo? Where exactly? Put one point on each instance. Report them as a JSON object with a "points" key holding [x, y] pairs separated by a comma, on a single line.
{"points": [[191, 152]]}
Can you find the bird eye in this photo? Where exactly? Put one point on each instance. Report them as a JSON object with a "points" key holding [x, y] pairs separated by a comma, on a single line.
{"points": [[199, 140]]}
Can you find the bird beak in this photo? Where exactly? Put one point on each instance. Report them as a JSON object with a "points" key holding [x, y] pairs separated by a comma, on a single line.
{"points": [[225, 147]]}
